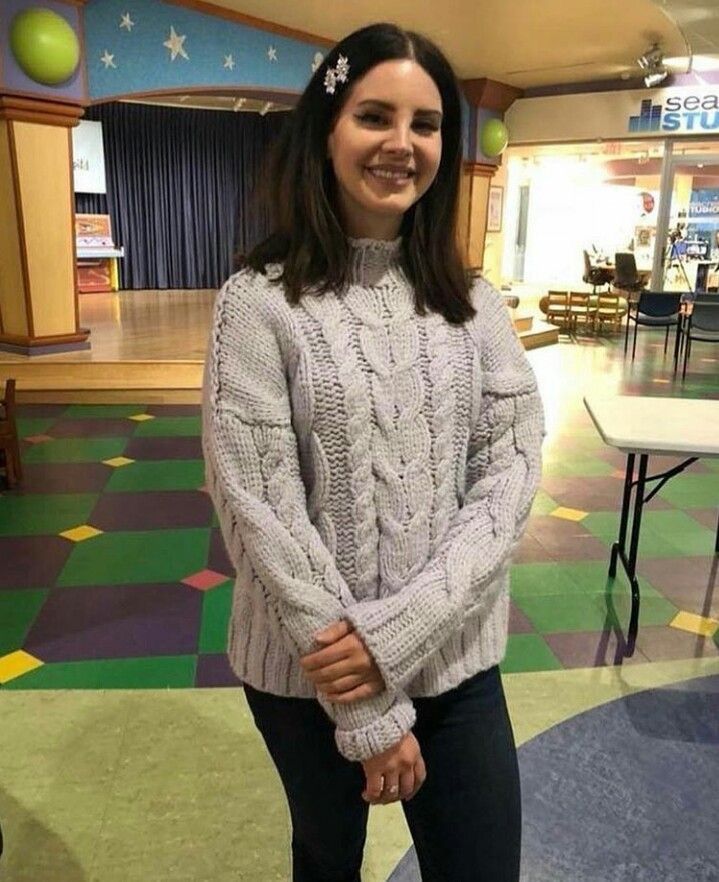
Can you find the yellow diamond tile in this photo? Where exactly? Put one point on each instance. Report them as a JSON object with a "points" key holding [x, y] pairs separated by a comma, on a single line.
{"points": [[141, 417], [117, 461], [79, 534], [16, 664], [569, 514], [695, 624]]}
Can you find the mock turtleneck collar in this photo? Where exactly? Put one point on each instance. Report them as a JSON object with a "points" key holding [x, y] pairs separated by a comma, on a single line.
{"points": [[369, 259]]}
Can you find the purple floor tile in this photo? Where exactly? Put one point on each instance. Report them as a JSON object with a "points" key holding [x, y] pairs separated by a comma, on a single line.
{"points": [[591, 494], [706, 516], [591, 649], [99, 428], [152, 510], [165, 447], [32, 561], [518, 622], [173, 410], [70, 477], [217, 559], [215, 670], [691, 583], [117, 621], [663, 643], [565, 540], [530, 551], [41, 411]]}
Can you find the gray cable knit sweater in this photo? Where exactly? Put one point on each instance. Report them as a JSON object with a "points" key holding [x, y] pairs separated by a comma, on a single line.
{"points": [[370, 464]]}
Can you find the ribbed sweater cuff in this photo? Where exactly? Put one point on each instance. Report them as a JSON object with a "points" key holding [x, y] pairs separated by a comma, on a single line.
{"points": [[379, 735]]}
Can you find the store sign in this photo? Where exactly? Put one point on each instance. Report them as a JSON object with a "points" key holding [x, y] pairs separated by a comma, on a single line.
{"points": [[687, 112], [651, 113], [704, 204]]}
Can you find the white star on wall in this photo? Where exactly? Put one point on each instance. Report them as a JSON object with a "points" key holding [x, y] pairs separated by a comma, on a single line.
{"points": [[175, 44], [127, 22], [229, 62], [107, 60], [319, 58], [272, 53]]}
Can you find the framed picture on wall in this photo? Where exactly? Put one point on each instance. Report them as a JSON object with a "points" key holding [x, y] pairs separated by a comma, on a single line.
{"points": [[494, 210]]}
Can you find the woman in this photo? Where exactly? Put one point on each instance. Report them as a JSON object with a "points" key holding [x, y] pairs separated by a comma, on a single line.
{"points": [[372, 436]]}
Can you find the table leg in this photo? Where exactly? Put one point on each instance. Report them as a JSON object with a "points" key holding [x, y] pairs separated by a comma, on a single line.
{"points": [[626, 505], [633, 550]]}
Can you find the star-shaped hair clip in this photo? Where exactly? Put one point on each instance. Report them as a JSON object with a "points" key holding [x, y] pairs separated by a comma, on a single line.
{"points": [[337, 74]]}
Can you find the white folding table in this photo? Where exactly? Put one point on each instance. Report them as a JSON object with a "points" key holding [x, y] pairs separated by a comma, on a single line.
{"points": [[641, 426]]}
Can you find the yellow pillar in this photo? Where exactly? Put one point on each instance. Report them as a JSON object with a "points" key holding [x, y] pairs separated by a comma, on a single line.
{"points": [[38, 268]]}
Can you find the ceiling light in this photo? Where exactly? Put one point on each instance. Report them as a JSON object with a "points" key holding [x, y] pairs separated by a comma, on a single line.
{"points": [[239, 103], [265, 108], [652, 58], [655, 78]]}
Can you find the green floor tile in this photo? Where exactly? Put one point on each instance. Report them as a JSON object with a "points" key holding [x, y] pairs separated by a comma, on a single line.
{"points": [[33, 426], [543, 503], [553, 577], [159, 672], [132, 558], [18, 610], [102, 411], [576, 466], [582, 612], [76, 450], [216, 608], [712, 464], [692, 491], [40, 514], [169, 426], [176, 474], [528, 652], [663, 533]]}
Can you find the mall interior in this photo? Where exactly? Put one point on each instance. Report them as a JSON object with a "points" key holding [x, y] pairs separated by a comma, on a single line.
{"points": [[132, 144]]}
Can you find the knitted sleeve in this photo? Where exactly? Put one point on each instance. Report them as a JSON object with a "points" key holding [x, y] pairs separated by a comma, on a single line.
{"points": [[253, 477], [503, 469]]}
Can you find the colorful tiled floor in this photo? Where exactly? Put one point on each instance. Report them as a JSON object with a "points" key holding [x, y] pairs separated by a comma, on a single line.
{"points": [[114, 573]]}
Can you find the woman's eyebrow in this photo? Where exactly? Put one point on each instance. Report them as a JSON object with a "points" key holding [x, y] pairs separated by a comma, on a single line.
{"points": [[386, 105]]}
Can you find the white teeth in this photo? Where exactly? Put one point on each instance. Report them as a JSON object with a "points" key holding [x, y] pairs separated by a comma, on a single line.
{"points": [[381, 173]]}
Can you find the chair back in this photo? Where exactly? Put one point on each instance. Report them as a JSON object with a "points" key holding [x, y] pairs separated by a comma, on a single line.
{"points": [[579, 298], [659, 304], [7, 407], [609, 303], [625, 269], [705, 316], [557, 298]]}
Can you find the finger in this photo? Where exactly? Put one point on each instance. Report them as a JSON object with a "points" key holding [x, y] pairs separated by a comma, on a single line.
{"points": [[373, 789], [324, 657], [344, 684], [390, 791], [331, 673], [334, 632], [407, 785], [366, 690]]}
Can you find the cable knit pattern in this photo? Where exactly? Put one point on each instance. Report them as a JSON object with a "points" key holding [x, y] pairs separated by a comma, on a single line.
{"points": [[433, 433]]}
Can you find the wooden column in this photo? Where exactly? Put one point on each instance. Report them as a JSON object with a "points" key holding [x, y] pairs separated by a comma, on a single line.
{"points": [[474, 204], [38, 289]]}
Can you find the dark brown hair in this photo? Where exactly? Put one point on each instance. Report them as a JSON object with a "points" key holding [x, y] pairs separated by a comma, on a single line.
{"points": [[299, 186]]}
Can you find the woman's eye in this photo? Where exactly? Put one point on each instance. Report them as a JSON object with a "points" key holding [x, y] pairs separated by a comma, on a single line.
{"points": [[371, 118], [377, 119]]}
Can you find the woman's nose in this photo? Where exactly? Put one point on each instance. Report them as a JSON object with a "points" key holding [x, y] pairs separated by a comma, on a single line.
{"points": [[399, 140]]}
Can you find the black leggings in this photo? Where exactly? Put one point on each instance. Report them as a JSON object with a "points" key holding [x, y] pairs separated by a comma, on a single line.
{"points": [[465, 820]]}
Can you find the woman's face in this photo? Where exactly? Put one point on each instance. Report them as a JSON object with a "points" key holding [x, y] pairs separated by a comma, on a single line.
{"points": [[385, 147]]}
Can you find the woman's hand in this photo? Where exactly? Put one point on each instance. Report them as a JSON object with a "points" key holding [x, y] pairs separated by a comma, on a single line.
{"points": [[398, 773], [344, 670]]}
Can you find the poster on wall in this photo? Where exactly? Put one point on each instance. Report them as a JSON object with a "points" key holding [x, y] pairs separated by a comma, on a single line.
{"points": [[494, 210], [88, 157]]}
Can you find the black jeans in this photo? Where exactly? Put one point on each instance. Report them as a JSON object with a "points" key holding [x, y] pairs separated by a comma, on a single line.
{"points": [[465, 820]]}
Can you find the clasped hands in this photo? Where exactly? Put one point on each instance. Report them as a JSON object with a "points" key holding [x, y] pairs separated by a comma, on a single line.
{"points": [[343, 670]]}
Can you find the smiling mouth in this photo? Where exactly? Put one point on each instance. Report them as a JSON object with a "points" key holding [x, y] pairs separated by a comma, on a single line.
{"points": [[398, 176]]}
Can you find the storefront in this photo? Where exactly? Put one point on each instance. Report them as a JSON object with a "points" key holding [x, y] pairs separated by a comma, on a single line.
{"points": [[629, 171]]}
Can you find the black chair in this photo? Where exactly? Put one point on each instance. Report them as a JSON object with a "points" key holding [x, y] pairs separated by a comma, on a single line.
{"points": [[626, 277], [702, 324], [654, 309], [596, 276]]}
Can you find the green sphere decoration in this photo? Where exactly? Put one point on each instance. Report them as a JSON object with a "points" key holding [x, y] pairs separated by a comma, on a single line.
{"points": [[495, 136], [44, 45]]}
